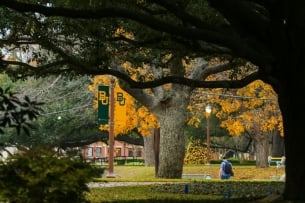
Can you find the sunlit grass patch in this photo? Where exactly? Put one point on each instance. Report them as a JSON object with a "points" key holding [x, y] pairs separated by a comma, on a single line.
{"points": [[142, 193]]}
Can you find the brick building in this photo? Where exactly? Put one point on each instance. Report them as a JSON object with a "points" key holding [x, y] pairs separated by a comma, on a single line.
{"points": [[100, 151]]}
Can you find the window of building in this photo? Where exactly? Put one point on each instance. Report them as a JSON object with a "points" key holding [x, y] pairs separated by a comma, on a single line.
{"points": [[90, 152], [118, 151], [98, 151], [139, 153], [130, 152]]}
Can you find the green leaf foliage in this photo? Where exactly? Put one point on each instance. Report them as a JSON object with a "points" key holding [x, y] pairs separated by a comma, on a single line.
{"points": [[16, 112], [42, 175]]}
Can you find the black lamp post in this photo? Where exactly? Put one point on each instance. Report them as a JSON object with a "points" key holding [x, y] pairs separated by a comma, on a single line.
{"points": [[208, 110]]}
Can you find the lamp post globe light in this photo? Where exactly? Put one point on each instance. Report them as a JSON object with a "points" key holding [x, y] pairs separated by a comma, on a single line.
{"points": [[208, 110]]}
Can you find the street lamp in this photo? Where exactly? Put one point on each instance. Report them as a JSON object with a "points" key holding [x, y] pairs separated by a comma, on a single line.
{"points": [[208, 110]]}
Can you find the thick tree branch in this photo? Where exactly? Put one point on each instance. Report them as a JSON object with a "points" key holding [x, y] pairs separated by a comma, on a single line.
{"points": [[34, 68], [246, 16], [231, 40], [157, 82], [96, 137]]}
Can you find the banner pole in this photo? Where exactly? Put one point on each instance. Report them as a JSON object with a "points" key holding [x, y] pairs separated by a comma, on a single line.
{"points": [[111, 130]]}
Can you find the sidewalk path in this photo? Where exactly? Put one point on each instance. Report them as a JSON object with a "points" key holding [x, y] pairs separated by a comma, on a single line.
{"points": [[116, 184]]}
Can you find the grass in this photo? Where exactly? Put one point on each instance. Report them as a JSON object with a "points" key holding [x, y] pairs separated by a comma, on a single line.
{"points": [[144, 193], [150, 193], [144, 173]]}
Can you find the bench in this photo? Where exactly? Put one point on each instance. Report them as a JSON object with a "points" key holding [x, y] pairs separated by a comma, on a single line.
{"points": [[278, 161], [202, 176]]}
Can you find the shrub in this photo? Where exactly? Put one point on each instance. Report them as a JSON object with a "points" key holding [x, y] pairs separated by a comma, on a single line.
{"points": [[196, 153], [240, 189], [42, 175]]}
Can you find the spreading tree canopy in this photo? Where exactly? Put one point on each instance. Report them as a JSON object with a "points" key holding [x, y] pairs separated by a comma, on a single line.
{"points": [[95, 37]]}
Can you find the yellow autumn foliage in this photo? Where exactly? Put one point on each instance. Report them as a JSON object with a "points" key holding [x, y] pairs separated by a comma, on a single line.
{"points": [[194, 121], [234, 127], [126, 117], [122, 32], [147, 121], [196, 153], [254, 106]]}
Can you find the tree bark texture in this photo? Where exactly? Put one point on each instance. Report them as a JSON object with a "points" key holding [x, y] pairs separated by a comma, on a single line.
{"points": [[261, 151], [292, 107], [149, 150], [172, 140], [294, 140], [277, 145], [291, 88]]}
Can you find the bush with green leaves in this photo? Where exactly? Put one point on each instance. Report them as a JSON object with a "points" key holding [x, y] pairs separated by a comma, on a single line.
{"points": [[42, 175]]}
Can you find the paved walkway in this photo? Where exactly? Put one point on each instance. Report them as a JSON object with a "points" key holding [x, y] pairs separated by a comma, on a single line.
{"points": [[116, 184]]}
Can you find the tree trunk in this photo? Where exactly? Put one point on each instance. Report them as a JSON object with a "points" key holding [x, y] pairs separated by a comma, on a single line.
{"points": [[293, 119], [289, 70], [261, 150], [149, 150], [172, 141], [291, 105], [156, 149], [277, 145]]}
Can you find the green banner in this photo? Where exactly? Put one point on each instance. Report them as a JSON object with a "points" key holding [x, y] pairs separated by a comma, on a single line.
{"points": [[103, 104]]}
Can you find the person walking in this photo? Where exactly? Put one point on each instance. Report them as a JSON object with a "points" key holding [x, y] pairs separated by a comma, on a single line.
{"points": [[226, 169]]}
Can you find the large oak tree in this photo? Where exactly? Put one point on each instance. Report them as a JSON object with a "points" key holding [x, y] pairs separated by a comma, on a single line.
{"points": [[267, 33]]}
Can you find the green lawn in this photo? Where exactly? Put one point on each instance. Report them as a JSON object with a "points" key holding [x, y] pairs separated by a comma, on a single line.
{"points": [[146, 194], [143, 173], [152, 193]]}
